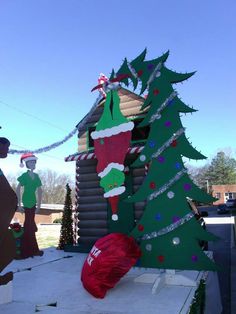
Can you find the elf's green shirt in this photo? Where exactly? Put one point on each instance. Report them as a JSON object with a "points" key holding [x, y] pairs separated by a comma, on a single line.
{"points": [[30, 186]]}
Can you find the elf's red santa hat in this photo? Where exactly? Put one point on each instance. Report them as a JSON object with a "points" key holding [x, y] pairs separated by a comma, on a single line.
{"points": [[27, 157]]}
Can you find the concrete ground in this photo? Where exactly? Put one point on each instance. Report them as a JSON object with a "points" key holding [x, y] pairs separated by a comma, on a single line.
{"points": [[225, 255], [51, 284], [233, 280]]}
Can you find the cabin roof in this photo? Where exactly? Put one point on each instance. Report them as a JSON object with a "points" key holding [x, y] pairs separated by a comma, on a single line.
{"points": [[129, 100]]}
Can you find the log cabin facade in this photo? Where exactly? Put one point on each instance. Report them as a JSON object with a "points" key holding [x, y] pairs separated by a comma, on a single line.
{"points": [[91, 219]]}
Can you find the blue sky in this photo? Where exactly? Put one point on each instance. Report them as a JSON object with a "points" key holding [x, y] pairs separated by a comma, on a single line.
{"points": [[51, 53]]}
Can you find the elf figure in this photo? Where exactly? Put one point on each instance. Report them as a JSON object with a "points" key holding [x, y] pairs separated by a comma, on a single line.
{"points": [[31, 199], [111, 142]]}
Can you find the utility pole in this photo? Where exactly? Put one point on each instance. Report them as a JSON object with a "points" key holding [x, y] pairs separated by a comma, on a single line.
{"points": [[207, 185]]}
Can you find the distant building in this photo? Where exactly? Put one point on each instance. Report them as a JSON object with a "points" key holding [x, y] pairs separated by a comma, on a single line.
{"points": [[48, 213], [223, 192]]}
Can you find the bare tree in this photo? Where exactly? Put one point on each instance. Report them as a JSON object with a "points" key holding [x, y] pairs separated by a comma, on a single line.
{"points": [[53, 185]]}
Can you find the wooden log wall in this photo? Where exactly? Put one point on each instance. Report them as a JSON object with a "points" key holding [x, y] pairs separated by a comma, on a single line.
{"points": [[92, 206]]}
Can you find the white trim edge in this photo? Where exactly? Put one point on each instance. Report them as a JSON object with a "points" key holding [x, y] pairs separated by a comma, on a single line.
{"points": [[114, 192], [109, 167], [124, 127]]}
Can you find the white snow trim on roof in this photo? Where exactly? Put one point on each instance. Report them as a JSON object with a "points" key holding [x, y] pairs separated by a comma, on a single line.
{"points": [[112, 165], [114, 192], [124, 127]]}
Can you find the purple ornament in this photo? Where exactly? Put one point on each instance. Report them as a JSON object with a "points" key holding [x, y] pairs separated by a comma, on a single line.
{"points": [[187, 186], [194, 258], [168, 124], [175, 219], [150, 66], [161, 159]]}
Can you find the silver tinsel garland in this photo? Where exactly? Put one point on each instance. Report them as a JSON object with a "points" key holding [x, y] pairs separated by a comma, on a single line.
{"points": [[79, 126], [132, 70], [167, 143], [157, 114], [156, 73], [171, 227], [167, 185]]}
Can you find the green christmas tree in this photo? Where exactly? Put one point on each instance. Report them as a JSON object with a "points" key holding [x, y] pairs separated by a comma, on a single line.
{"points": [[66, 235], [168, 232]]}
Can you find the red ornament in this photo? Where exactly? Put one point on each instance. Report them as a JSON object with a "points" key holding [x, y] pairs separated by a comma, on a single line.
{"points": [[152, 185], [140, 227], [161, 258], [156, 92], [140, 72], [174, 143]]}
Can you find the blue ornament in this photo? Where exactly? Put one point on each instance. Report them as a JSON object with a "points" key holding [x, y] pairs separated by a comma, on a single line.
{"points": [[151, 143], [178, 165], [158, 216], [171, 102]]}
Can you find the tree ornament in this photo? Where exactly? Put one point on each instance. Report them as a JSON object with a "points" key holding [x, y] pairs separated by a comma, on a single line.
{"points": [[174, 143], [170, 194], [187, 186], [194, 258], [175, 219], [156, 92], [142, 157], [148, 247], [168, 124], [152, 185], [158, 216], [176, 240], [161, 258], [152, 143], [140, 227], [140, 72], [161, 159]]}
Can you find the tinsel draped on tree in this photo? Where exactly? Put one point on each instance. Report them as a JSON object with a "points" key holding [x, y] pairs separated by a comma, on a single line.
{"points": [[66, 236], [168, 232]]}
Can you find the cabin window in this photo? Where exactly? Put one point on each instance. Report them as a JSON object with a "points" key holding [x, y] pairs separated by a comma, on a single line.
{"points": [[90, 144], [139, 135]]}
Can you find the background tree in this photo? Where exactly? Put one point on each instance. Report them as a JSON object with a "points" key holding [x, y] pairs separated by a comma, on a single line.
{"points": [[198, 175], [222, 170], [66, 235], [53, 185]]}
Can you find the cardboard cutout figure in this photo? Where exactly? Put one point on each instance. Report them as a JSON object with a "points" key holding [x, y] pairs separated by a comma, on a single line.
{"points": [[8, 205], [31, 199], [111, 141]]}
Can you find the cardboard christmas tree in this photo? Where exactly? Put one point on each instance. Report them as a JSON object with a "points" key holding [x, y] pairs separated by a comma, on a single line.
{"points": [[168, 232]]}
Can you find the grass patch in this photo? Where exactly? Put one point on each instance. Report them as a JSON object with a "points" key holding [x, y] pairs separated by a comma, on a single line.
{"points": [[48, 235]]}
